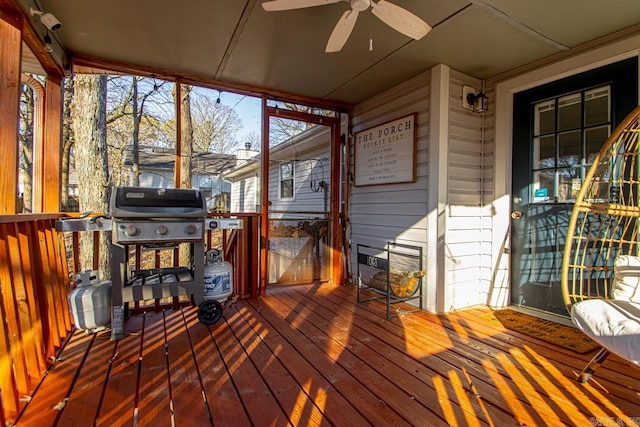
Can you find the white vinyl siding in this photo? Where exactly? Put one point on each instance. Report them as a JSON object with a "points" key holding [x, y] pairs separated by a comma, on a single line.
{"points": [[394, 212], [451, 225], [310, 169], [466, 237], [244, 194]]}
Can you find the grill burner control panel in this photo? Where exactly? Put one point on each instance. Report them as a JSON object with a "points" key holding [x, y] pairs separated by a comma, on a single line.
{"points": [[128, 232]]}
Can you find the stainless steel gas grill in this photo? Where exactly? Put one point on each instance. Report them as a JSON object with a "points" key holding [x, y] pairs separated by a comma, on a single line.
{"points": [[157, 219]]}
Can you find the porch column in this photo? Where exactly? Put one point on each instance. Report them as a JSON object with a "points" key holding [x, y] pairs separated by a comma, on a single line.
{"points": [[438, 189], [52, 146], [11, 54]]}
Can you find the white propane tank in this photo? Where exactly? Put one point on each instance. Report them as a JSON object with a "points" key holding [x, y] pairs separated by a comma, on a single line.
{"points": [[90, 302], [218, 277]]}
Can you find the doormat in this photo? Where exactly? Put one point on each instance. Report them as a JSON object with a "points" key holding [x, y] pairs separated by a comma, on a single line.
{"points": [[546, 330]]}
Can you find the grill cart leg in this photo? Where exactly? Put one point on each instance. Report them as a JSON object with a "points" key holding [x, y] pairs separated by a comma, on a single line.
{"points": [[117, 276]]}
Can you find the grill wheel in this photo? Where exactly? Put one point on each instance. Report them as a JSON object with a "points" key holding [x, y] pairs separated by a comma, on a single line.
{"points": [[209, 312]]}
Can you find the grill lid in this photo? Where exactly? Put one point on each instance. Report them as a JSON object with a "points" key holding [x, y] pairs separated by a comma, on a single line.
{"points": [[128, 202]]}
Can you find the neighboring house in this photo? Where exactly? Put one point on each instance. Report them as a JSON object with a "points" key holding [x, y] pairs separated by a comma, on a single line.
{"points": [[156, 170], [299, 173]]}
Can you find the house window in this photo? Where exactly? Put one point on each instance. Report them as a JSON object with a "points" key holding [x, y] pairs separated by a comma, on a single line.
{"points": [[568, 133], [286, 180]]}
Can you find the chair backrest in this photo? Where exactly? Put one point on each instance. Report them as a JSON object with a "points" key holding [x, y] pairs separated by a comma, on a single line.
{"points": [[604, 222]]}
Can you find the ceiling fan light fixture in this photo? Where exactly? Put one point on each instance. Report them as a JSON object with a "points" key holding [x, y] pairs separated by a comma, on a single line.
{"points": [[391, 14]]}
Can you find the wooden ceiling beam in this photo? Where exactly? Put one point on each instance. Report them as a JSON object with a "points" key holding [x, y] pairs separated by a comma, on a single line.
{"points": [[84, 64]]}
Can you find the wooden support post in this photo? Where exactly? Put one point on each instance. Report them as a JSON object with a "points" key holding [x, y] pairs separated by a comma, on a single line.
{"points": [[337, 275], [52, 146], [11, 54], [264, 201]]}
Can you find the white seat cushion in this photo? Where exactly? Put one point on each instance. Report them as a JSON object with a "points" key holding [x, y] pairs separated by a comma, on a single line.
{"points": [[613, 324], [626, 284]]}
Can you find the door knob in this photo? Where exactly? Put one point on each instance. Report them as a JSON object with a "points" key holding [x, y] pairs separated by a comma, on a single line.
{"points": [[516, 215]]}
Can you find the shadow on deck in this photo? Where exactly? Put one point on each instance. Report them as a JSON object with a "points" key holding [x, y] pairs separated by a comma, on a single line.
{"points": [[310, 355]]}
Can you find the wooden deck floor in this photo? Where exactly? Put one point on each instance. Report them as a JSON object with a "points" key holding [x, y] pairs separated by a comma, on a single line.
{"points": [[311, 355]]}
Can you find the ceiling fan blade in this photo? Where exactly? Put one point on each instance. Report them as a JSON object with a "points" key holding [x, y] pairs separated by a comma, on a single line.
{"points": [[278, 5], [342, 31], [400, 19]]}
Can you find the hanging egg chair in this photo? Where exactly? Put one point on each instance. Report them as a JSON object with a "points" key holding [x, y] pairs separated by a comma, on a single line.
{"points": [[601, 262]]}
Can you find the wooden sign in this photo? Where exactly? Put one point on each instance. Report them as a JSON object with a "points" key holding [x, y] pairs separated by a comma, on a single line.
{"points": [[385, 154]]}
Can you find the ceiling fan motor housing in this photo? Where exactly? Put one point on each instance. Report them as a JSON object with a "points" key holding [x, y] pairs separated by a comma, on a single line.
{"points": [[360, 5]]}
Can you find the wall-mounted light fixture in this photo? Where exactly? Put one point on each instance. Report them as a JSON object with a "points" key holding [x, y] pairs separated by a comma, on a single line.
{"points": [[474, 101], [47, 43]]}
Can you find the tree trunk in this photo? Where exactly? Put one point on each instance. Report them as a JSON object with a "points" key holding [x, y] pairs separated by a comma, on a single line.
{"points": [[90, 130], [135, 136], [67, 138], [26, 150], [187, 137], [185, 158]]}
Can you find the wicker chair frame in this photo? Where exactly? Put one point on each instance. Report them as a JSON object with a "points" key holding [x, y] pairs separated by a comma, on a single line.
{"points": [[604, 222]]}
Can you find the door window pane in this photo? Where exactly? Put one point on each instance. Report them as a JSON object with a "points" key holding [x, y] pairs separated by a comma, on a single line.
{"points": [[543, 185], [569, 148], [596, 106], [545, 118], [569, 112], [544, 152], [595, 139], [569, 182]]}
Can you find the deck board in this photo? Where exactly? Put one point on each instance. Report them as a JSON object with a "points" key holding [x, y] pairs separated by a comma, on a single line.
{"points": [[225, 405], [118, 404], [311, 355], [85, 397], [154, 400], [185, 380], [261, 404], [57, 383]]}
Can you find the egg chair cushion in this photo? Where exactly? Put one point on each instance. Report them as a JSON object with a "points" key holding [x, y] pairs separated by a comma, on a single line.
{"points": [[626, 284], [614, 324]]}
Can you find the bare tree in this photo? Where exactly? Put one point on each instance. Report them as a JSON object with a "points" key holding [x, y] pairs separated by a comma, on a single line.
{"points": [[27, 107], [215, 125], [90, 129], [187, 135], [67, 141], [281, 129], [126, 117], [252, 141]]}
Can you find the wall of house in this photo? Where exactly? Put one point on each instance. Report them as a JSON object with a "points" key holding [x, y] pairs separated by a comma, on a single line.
{"points": [[311, 167], [395, 212], [468, 231], [443, 211], [244, 195]]}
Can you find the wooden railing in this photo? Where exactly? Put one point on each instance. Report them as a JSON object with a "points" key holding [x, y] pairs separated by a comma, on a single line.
{"points": [[35, 317], [241, 248], [36, 264]]}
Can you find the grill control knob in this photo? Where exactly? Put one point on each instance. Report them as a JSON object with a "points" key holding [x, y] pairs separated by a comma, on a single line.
{"points": [[162, 231], [131, 231], [190, 230]]}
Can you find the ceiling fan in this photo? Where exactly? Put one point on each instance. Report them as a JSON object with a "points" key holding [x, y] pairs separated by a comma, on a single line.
{"points": [[391, 14]]}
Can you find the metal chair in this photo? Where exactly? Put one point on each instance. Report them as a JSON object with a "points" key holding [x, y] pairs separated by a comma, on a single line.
{"points": [[601, 263]]}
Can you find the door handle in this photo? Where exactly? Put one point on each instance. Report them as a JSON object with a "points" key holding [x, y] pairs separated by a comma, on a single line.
{"points": [[516, 215]]}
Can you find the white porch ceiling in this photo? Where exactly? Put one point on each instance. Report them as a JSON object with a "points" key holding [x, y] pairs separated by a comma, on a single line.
{"points": [[236, 41]]}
